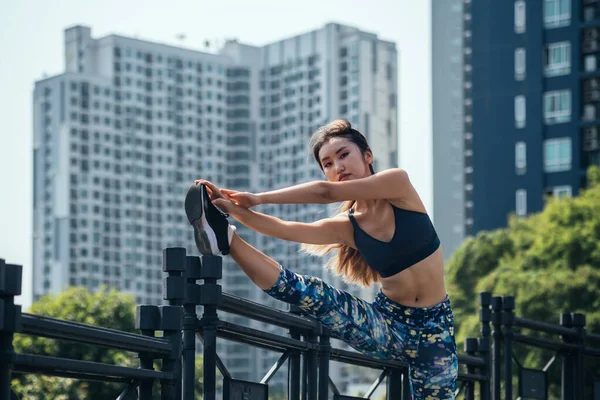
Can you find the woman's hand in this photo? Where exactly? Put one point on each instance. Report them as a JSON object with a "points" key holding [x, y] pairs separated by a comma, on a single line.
{"points": [[217, 197], [242, 199]]}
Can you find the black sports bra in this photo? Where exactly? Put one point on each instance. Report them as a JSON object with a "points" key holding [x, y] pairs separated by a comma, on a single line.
{"points": [[414, 240]]}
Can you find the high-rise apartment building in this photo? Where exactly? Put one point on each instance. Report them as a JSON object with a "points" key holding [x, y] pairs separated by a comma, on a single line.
{"points": [[121, 135], [447, 122], [531, 95], [531, 104]]}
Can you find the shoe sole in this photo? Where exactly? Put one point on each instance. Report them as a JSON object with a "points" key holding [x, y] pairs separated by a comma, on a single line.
{"points": [[204, 236]]}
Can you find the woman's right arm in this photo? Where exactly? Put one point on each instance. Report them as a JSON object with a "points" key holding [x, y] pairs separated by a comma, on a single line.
{"points": [[325, 231]]}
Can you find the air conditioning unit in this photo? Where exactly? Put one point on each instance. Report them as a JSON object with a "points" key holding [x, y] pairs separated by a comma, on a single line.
{"points": [[591, 84], [592, 95], [591, 145], [590, 133], [590, 46], [590, 34]]}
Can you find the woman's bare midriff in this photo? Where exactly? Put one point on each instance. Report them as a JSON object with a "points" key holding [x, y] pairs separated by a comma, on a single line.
{"points": [[421, 285]]}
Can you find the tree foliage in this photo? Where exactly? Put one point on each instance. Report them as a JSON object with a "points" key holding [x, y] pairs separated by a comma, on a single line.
{"points": [[550, 262]]}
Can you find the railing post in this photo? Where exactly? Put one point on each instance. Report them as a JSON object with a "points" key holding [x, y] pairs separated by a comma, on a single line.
{"points": [[568, 364], [170, 323], [294, 370], [406, 394], [210, 298], [394, 384], [311, 368], [147, 320], [174, 263], [470, 347], [497, 347], [508, 320], [324, 356], [485, 316], [10, 321], [190, 322], [578, 321]]}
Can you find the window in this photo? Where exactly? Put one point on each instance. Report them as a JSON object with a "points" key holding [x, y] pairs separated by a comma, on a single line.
{"points": [[590, 63], [557, 107], [557, 155], [557, 59], [520, 64], [562, 191], [521, 202], [520, 158], [557, 13], [520, 115], [519, 16]]}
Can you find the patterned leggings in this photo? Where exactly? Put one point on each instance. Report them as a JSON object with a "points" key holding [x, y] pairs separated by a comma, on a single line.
{"points": [[421, 337]]}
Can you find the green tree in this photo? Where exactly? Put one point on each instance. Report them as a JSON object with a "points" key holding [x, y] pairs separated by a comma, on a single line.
{"points": [[549, 261]]}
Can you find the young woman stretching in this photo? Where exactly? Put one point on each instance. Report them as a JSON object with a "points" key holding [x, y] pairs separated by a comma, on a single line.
{"points": [[382, 234]]}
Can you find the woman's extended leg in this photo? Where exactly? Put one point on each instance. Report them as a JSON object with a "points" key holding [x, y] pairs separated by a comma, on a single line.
{"points": [[351, 319], [260, 268]]}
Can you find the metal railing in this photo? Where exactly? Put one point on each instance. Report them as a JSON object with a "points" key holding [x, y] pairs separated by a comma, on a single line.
{"points": [[307, 349]]}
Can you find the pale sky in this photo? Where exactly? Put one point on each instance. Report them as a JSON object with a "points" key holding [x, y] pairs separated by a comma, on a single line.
{"points": [[31, 46]]}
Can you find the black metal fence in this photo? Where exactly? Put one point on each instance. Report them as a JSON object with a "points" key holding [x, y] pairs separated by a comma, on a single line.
{"points": [[306, 349]]}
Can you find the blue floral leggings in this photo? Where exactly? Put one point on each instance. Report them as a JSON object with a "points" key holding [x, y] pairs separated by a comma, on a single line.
{"points": [[423, 338]]}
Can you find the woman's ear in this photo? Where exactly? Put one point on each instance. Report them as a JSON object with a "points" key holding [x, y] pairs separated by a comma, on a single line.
{"points": [[369, 157]]}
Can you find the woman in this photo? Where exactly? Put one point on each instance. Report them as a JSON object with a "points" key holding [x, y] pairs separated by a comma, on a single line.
{"points": [[382, 234]]}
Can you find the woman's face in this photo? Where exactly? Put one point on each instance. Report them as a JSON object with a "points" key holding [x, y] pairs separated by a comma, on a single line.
{"points": [[341, 159]]}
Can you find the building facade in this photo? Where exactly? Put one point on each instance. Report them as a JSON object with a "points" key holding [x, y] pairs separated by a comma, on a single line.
{"points": [[531, 93], [447, 122], [121, 135]]}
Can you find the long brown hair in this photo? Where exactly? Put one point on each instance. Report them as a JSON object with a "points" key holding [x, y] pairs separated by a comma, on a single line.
{"points": [[348, 263]]}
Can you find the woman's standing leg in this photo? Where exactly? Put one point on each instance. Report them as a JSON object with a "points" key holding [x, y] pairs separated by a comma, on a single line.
{"points": [[434, 371]]}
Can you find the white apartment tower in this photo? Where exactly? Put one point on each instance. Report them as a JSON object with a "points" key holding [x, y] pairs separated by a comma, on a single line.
{"points": [[121, 135]]}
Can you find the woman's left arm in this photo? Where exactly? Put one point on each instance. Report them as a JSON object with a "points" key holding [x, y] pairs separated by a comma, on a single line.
{"points": [[388, 184]]}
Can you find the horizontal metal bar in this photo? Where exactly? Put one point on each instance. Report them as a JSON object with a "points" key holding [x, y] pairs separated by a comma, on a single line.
{"points": [[80, 376], [82, 333], [234, 337], [545, 327], [261, 337], [593, 337], [473, 361], [472, 377], [590, 351], [351, 357], [51, 365], [542, 342], [240, 306]]}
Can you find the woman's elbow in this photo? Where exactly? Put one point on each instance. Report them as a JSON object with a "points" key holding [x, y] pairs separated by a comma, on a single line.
{"points": [[325, 192]]}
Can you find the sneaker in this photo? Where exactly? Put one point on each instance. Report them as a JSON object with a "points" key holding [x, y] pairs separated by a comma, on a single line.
{"points": [[211, 229]]}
